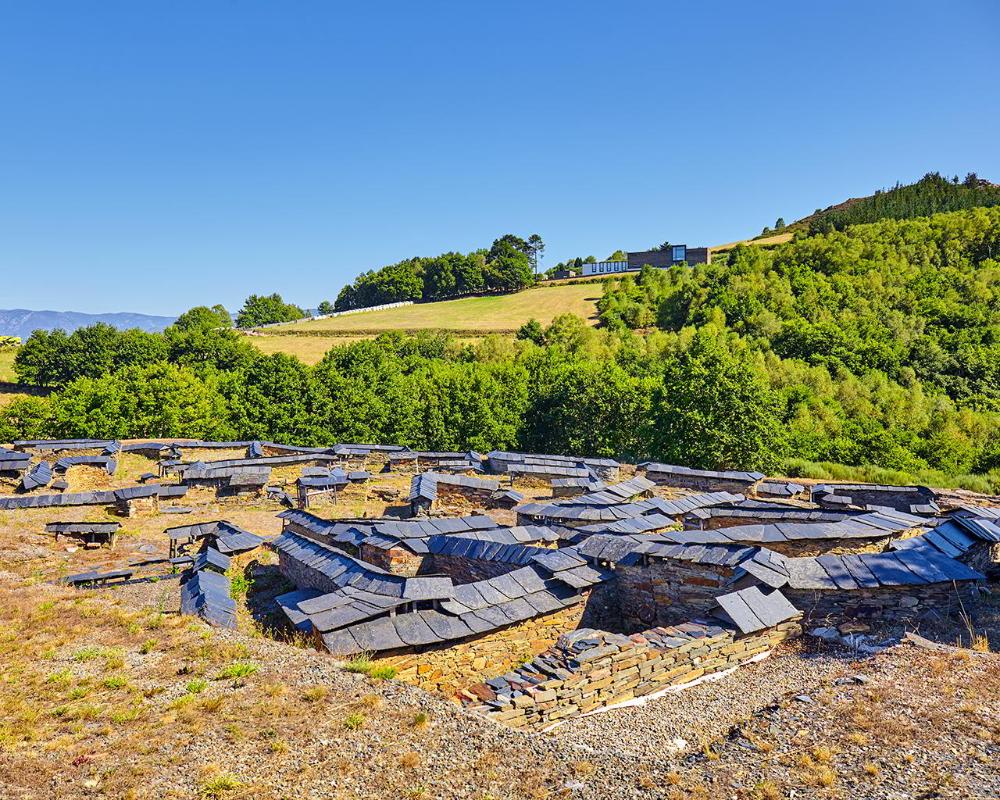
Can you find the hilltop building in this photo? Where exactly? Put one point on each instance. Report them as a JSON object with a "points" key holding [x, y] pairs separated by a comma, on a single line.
{"points": [[671, 257]]}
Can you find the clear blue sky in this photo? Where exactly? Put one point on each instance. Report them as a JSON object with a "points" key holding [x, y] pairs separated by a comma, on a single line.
{"points": [[156, 155]]}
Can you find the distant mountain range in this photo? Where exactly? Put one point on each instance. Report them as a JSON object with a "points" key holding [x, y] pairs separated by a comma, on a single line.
{"points": [[21, 322]]}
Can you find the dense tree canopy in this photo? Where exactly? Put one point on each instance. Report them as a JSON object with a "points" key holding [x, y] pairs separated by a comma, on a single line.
{"points": [[505, 267], [265, 309]]}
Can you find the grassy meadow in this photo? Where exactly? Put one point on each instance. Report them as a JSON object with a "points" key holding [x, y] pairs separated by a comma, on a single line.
{"points": [[472, 315], [469, 318]]}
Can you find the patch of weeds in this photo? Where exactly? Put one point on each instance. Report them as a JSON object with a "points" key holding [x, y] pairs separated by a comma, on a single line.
{"points": [[239, 584], [315, 693], [88, 653], [361, 663], [420, 720], [61, 678], [364, 665], [383, 672], [371, 701], [354, 721], [78, 692], [238, 670], [278, 746], [410, 760], [122, 715], [115, 682], [147, 647], [219, 785], [871, 770], [197, 686]]}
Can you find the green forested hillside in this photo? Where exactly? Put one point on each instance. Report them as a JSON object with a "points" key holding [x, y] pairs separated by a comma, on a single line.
{"points": [[932, 194], [877, 347]]}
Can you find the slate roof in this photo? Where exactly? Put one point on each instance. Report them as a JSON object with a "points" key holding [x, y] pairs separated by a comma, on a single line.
{"points": [[212, 559], [655, 468], [753, 610], [584, 484], [343, 570], [354, 618], [229, 539], [780, 489], [982, 512], [867, 526], [757, 511], [232, 465], [49, 500], [38, 476], [574, 509], [206, 593], [544, 470], [501, 460], [614, 494], [13, 461], [55, 445], [851, 572], [479, 550], [519, 534], [82, 527], [425, 485], [607, 547], [874, 570], [954, 537]]}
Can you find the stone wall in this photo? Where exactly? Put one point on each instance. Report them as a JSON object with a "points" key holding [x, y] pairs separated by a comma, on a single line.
{"points": [[397, 560], [589, 669], [896, 603], [466, 570], [824, 547], [446, 668], [984, 557], [667, 591], [701, 483]]}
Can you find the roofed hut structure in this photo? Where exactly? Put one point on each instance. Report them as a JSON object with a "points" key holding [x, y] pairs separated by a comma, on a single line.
{"points": [[703, 480]]}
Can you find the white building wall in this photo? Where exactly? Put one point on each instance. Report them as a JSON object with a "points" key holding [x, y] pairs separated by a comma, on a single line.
{"points": [[605, 268]]}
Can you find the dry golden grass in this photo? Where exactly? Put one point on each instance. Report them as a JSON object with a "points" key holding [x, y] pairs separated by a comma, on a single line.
{"points": [[478, 315]]}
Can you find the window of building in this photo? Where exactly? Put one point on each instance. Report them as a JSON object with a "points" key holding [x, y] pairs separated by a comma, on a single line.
{"points": [[680, 252]]}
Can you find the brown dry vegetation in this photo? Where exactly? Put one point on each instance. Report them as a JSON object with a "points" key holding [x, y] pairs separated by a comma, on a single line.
{"points": [[111, 693]]}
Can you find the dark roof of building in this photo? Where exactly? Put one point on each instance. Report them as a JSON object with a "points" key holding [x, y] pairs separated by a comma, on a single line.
{"points": [[13, 461], [572, 509], [212, 558], [954, 537], [779, 488], [206, 593], [343, 570], [229, 538], [354, 618], [498, 458], [36, 477], [867, 570], [61, 444], [614, 494], [756, 510], [424, 486], [980, 512], [753, 610], [867, 526], [672, 469], [82, 527]]}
